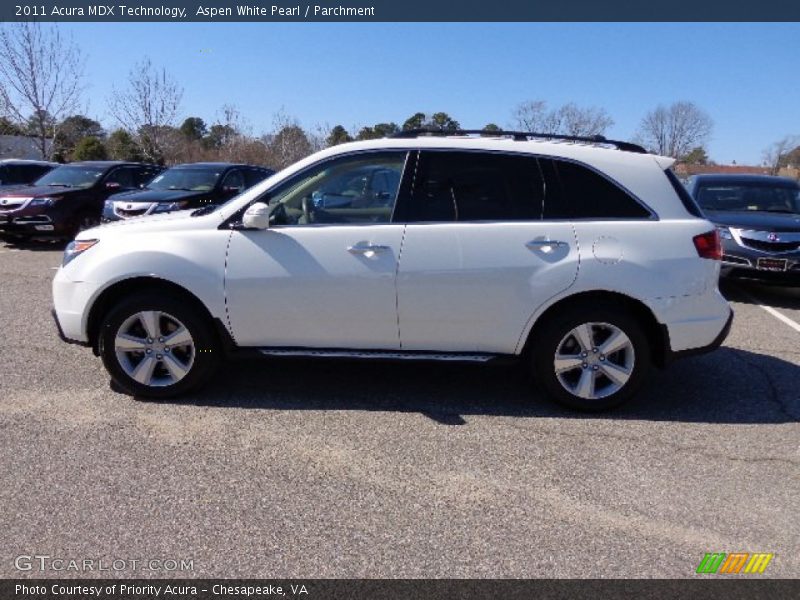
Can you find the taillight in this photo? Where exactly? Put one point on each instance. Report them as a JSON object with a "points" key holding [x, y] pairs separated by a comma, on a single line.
{"points": [[708, 245]]}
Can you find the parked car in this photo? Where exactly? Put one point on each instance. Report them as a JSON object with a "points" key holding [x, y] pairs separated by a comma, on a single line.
{"points": [[68, 199], [758, 218], [183, 187], [16, 172], [586, 260]]}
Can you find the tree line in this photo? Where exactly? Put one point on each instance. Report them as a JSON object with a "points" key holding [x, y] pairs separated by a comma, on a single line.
{"points": [[41, 93]]}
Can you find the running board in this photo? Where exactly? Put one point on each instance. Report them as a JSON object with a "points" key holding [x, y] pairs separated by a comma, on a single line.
{"points": [[377, 354]]}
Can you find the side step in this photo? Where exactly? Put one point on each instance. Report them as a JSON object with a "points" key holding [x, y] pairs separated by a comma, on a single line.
{"points": [[378, 354]]}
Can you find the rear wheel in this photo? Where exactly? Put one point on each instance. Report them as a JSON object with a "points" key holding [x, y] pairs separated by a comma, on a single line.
{"points": [[591, 357], [158, 346]]}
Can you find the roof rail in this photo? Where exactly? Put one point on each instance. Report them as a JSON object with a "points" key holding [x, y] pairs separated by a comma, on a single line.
{"points": [[522, 136]]}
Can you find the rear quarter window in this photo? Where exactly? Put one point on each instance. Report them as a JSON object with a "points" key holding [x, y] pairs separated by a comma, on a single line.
{"points": [[686, 198], [590, 195]]}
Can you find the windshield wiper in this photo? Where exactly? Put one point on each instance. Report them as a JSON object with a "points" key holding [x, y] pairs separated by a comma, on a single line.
{"points": [[204, 210], [780, 210], [177, 189], [59, 185]]}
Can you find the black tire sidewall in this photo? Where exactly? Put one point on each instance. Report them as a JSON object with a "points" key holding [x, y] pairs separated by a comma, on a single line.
{"points": [[207, 356], [550, 336]]}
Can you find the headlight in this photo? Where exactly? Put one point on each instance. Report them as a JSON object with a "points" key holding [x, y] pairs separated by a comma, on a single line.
{"points": [[724, 233], [46, 201], [162, 207], [76, 248]]}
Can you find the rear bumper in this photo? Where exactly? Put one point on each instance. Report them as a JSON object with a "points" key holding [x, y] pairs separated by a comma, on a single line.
{"points": [[672, 355]]}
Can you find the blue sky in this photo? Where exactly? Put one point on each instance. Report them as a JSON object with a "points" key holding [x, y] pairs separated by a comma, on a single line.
{"points": [[746, 76]]}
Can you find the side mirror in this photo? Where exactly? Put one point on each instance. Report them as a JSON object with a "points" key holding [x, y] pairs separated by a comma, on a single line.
{"points": [[256, 217]]}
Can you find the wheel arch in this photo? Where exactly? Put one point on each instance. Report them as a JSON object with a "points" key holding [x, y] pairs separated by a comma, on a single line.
{"points": [[110, 296], [656, 333]]}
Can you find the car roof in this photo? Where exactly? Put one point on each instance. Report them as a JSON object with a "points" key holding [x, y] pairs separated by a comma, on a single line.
{"points": [[26, 161], [591, 153], [211, 165], [105, 163], [745, 178]]}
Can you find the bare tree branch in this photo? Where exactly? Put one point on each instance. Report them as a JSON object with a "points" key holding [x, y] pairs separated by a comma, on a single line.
{"points": [[148, 108], [41, 77], [675, 130], [775, 155], [569, 119]]}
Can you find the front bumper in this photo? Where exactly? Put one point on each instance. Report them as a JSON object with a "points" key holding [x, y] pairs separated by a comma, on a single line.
{"points": [[61, 335], [32, 224], [777, 262], [70, 302]]}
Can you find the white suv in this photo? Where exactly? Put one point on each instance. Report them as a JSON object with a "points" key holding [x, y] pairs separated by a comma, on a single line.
{"points": [[585, 258]]}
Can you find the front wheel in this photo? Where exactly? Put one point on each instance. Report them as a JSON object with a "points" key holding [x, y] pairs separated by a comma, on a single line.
{"points": [[591, 358], [157, 346]]}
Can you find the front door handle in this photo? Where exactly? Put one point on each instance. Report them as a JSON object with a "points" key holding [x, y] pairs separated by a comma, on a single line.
{"points": [[545, 245], [367, 249]]}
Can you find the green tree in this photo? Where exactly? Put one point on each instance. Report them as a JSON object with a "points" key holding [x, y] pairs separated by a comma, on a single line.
{"points": [[439, 120], [122, 146], [289, 145], [9, 128], [194, 128], [443, 121], [219, 135], [386, 129], [338, 135], [697, 156], [490, 128], [415, 121], [89, 148], [72, 130]]}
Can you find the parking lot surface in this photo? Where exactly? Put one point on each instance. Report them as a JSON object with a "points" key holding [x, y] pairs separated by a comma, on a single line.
{"points": [[293, 468]]}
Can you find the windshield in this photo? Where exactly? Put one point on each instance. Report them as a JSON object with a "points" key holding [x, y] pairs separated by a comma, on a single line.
{"points": [[72, 176], [749, 197], [193, 180]]}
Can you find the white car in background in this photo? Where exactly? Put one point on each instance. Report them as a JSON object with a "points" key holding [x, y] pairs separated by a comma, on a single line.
{"points": [[583, 257]]}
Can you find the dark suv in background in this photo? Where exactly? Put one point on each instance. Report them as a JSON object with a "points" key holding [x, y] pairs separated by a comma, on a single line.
{"points": [[758, 219], [16, 172], [68, 199], [184, 187]]}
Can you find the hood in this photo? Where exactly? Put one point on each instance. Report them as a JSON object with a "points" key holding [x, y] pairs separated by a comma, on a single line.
{"points": [[181, 219], [34, 191], [157, 196], [757, 220]]}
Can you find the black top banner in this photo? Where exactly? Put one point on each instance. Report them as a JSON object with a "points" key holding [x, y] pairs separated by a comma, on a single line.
{"points": [[402, 10]]}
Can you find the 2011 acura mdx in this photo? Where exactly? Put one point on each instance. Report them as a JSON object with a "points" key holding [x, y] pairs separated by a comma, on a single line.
{"points": [[584, 258]]}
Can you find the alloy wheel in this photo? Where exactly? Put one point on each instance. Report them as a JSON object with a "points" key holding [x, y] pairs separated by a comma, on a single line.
{"points": [[154, 348], [594, 360]]}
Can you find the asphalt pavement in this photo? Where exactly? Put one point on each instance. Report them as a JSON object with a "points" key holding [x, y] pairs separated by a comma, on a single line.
{"points": [[292, 468]]}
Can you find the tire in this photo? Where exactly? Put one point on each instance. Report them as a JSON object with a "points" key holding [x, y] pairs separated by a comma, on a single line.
{"points": [[587, 378], [167, 370]]}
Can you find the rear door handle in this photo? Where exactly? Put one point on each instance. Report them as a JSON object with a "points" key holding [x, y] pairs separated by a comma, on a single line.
{"points": [[545, 245], [367, 248]]}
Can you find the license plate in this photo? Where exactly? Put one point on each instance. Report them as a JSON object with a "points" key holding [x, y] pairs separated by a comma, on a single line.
{"points": [[771, 264]]}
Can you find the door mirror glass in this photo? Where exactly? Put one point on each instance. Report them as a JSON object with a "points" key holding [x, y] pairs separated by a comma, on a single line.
{"points": [[256, 217]]}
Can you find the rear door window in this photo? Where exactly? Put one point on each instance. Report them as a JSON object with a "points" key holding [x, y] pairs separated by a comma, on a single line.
{"points": [[476, 186]]}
